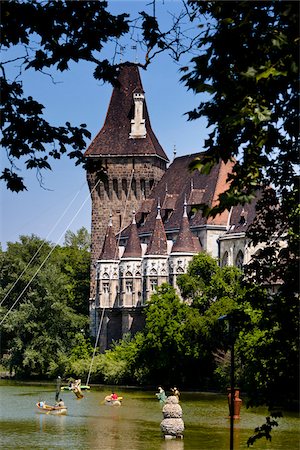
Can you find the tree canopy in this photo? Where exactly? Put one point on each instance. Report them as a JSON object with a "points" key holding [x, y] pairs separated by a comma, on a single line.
{"points": [[44, 303]]}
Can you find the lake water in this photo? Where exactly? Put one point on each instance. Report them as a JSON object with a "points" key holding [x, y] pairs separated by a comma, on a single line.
{"points": [[134, 426]]}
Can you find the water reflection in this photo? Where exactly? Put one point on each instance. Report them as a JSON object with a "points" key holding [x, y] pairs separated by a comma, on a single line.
{"points": [[173, 444]]}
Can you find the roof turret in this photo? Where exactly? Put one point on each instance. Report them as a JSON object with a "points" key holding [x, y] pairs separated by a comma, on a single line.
{"points": [[133, 248], [109, 249], [186, 242], [158, 241]]}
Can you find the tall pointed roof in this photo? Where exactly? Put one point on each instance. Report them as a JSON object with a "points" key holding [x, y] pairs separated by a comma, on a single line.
{"points": [[109, 249], [186, 242], [158, 241], [113, 139], [133, 248]]}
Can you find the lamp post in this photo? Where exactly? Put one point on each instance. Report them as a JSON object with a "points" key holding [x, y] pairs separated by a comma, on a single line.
{"points": [[228, 318]]}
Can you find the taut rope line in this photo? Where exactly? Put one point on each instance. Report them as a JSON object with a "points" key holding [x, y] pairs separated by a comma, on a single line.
{"points": [[49, 254], [41, 246]]}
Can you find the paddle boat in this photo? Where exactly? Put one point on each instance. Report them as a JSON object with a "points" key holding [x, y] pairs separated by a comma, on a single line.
{"points": [[43, 408], [113, 402]]}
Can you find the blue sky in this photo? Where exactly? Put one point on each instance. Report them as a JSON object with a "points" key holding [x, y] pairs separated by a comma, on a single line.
{"points": [[77, 97]]}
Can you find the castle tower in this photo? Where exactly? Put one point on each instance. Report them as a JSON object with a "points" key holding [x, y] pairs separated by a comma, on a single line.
{"points": [[133, 160], [183, 250], [155, 263]]}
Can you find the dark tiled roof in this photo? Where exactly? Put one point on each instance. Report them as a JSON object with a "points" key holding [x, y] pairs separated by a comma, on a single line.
{"points": [[147, 205], [196, 197], [181, 182], [242, 216], [133, 247], [158, 241], [109, 249], [170, 201], [113, 139], [185, 239]]}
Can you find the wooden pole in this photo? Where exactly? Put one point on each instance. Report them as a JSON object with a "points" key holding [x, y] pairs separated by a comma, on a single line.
{"points": [[232, 390]]}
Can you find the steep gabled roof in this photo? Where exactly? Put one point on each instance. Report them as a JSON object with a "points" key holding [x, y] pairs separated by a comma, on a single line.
{"points": [[158, 241], [109, 249], [199, 188], [185, 242], [133, 247], [113, 139]]}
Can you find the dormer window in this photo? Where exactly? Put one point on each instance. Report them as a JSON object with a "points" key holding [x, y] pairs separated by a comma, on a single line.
{"points": [[138, 128]]}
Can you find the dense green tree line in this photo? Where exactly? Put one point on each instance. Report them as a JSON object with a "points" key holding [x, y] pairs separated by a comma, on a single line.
{"points": [[44, 290]]}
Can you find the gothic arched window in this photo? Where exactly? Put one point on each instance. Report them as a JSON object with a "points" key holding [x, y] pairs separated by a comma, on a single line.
{"points": [[239, 260], [225, 260]]}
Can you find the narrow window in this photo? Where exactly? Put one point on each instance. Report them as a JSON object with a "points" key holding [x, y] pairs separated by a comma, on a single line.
{"points": [[124, 187], [239, 259], [129, 286], [106, 287], [153, 284], [133, 186], [225, 260], [116, 187]]}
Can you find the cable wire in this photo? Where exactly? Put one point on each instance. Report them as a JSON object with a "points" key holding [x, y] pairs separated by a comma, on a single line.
{"points": [[41, 246], [47, 257]]}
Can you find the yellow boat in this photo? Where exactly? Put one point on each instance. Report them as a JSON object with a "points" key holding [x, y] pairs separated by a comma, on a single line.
{"points": [[43, 408]]}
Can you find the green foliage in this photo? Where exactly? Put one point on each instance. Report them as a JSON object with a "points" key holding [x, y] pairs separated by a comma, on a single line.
{"points": [[179, 339], [45, 326], [53, 35], [248, 62], [81, 240]]}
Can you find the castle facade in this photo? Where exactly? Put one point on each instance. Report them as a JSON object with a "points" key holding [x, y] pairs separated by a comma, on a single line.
{"points": [[146, 226]]}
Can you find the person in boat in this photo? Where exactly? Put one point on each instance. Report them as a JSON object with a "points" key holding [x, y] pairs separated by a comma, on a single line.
{"points": [[114, 396], [161, 395], [42, 404], [60, 403]]}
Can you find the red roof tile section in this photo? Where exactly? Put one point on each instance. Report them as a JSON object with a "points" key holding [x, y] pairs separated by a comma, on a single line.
{"points": [[158, 241], [133, 248], [109, 249], [113, 139]]}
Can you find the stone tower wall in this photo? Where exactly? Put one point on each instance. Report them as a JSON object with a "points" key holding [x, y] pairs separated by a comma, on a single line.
{"points": [[137, 175]]}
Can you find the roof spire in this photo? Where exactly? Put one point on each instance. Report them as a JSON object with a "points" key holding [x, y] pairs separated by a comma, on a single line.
{"points": [[174, 151], [186, 242], [158, 241], [109, 250], [133, 248], [158, 209], [185, 207]]}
